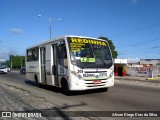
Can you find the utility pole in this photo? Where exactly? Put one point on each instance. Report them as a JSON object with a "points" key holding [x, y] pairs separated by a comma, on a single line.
{"points": [[50, 25], [21, 62], [11, 63]]}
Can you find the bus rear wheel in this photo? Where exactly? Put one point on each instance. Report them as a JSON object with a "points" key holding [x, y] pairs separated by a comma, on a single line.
{"points": [[38, 84]]}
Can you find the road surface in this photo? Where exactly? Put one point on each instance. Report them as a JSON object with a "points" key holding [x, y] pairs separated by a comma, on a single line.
{"points": [[121, 97]]}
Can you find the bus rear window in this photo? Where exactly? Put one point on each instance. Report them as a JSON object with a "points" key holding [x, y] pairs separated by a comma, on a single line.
{"points": [[32, 54]]}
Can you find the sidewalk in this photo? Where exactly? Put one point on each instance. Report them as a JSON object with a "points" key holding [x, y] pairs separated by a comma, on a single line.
{"points": [[155, 80]]}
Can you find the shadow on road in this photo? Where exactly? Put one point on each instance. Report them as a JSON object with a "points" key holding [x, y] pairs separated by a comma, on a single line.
{"points": [[58, 90], [46, 87], [62, 111], [32, 83]]}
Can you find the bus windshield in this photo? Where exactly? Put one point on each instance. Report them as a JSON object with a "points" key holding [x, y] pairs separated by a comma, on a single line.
{"points": [[90, 53]]}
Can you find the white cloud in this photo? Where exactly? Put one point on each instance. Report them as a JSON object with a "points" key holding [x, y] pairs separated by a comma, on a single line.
{"points": [[134, 1], [6, 52], [16, 31]]}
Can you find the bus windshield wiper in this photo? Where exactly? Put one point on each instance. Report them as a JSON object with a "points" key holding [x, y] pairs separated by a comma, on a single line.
{"points": [[103, 61]]}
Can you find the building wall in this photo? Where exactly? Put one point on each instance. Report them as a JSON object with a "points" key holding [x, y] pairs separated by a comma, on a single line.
{"points": [[139, 71], [144, 71], [120, 61]]}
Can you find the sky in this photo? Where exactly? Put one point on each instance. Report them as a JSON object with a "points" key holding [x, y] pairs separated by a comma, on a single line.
{"points": [[132, 25]]}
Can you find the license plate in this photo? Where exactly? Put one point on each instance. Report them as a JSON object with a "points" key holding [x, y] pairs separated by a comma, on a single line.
{"points": [[97, 82], [102, 74]]}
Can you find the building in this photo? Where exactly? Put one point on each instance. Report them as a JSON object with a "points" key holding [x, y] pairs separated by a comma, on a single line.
{"points": [[120, 67], [146, 67], [152, 62]]}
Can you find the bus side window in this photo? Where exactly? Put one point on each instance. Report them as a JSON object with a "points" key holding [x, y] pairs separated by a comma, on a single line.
{"points": [[29, 55], [35, 54], [64, 53]]}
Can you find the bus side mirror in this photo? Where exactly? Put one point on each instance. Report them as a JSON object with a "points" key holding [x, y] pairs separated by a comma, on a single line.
{"points": [[61, 44]]}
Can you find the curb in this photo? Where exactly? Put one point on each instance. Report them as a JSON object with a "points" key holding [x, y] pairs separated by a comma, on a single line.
{"points": [[150, 82], [155, 78]]}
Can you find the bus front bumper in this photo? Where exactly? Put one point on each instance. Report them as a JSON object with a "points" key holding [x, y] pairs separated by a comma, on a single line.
{"points": [[81, 84]]}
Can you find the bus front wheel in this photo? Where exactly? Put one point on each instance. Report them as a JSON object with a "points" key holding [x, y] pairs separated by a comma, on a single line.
{"points": [[65, 87]]}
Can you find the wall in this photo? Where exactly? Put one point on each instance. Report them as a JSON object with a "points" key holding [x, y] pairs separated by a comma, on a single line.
{"points": [[139, 71], [144, 71]]}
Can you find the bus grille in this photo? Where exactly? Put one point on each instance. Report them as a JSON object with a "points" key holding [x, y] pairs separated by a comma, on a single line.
{"points": [[91, 83]]}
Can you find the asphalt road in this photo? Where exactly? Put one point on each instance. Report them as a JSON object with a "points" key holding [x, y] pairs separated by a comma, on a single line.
{"points": [[121, 97]]}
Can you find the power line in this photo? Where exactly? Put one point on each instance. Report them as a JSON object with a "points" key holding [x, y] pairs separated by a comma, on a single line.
{"points": [[139, 43], [137, 50], [137, 29]]}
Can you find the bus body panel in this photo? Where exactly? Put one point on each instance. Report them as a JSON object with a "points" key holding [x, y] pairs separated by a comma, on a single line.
{"points": [[32, 69]]}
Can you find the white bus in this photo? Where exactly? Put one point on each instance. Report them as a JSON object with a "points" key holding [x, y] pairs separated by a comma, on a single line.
{"points": [[73, 63], [3, 66]]}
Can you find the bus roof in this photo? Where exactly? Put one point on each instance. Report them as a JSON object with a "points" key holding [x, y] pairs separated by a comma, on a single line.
{"points": [[58, 38]]}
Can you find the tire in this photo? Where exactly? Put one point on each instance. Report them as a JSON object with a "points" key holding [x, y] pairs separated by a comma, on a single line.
{"points": [[38, 84], [65, 88]]}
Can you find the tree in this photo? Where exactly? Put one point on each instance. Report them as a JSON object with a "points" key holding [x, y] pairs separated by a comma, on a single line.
{"points": [[16, 61], [112, 47]]}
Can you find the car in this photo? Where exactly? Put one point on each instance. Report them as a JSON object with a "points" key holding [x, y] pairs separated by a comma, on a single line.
{"points": [[3, 70], [23, 70]]}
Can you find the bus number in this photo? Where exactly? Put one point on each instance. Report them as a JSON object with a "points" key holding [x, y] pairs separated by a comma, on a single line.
{"points": [[80, 71], [61, 71]]}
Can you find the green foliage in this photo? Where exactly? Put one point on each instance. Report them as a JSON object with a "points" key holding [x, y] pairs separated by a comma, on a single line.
{"points": [[16, 62], [112, 47]]}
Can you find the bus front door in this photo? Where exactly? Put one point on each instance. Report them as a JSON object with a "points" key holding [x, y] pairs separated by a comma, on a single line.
{"points": [[55, 65]]}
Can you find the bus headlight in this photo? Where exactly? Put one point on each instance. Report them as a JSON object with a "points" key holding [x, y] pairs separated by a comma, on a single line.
{"points": [[111, 74]]}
